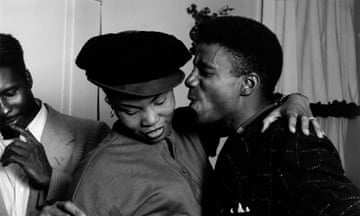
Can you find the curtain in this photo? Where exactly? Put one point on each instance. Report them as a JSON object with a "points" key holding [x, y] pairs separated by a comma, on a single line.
{"points": [[318, 39]]}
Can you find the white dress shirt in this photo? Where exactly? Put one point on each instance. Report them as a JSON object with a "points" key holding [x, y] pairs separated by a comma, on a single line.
{"points": [[14, 185]]}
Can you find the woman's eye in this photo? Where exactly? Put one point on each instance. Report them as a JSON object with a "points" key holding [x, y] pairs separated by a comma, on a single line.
{"points": [[125, 111], [159, 101], [129, 112]]}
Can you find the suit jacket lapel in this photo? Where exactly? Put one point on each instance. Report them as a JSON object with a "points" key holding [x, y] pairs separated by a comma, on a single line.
{"points": [[56, 138]]}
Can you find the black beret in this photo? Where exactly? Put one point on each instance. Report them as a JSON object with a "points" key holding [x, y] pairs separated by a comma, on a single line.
{"points": [[140, 63]]}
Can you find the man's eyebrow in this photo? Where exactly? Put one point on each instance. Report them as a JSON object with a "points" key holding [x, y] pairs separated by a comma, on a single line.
{"points": [[11, 88], [203, 64]]}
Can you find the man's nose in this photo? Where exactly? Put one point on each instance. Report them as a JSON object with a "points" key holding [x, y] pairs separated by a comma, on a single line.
{"points": [[5, 107], [192, 80], [150, 117]]}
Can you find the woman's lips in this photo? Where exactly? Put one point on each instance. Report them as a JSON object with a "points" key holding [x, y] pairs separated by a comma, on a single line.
{"points": [[155, 133]]}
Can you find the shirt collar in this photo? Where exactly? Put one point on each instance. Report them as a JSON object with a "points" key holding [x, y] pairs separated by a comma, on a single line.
{"points": [[37, 125]]}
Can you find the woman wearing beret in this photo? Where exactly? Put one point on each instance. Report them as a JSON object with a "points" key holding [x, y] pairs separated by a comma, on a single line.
{"points": [[153, 162]]}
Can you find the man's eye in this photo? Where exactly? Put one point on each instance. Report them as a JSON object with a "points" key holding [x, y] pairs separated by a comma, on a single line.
{"points": [[10, 93], [205, 73]]}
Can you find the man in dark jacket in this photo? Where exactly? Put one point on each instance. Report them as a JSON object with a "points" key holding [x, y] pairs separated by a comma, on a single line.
{"points": [[236, 67]]}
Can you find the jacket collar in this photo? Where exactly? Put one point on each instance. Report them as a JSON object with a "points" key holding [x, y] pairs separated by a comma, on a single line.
{"points": [[56, 129]]}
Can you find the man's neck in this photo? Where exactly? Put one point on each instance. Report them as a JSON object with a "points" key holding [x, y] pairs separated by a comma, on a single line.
{"points": [[246, 110], [34, 111]]}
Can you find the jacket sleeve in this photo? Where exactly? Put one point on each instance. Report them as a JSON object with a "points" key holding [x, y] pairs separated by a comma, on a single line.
{"points": [[58, 184]]}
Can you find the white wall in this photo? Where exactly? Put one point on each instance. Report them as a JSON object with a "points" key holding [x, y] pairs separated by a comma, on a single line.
{"points": [[39, 26], [51, 33]]}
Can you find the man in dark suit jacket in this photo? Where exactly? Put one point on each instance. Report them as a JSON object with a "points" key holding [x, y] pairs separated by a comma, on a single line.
{"points": [[236, 67], [40, 147]]}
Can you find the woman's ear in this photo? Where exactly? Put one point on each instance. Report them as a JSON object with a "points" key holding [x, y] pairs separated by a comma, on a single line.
{"points": [[249, 84]]}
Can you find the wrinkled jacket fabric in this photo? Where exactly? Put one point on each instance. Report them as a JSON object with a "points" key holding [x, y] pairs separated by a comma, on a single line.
{"points": [[280, 173], [66, 140]]}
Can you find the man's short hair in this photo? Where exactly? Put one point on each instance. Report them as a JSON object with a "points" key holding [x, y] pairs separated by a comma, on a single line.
{"points": [[11, 53], [254, 47]]}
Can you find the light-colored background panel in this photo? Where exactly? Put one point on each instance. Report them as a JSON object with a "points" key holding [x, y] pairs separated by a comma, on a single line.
{"points": [[52, 33], [86, 25], [39, 26]]}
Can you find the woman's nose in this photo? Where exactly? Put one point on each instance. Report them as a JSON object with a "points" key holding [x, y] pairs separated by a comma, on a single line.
{"points": [[150, 117]]}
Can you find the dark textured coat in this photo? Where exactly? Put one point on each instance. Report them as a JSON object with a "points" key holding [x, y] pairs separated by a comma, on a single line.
{"points": [[280, 173]]}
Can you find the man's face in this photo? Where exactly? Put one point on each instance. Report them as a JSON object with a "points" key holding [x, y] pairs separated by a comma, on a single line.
{"points": [[16, 98], [213, 89], [147, 118]]}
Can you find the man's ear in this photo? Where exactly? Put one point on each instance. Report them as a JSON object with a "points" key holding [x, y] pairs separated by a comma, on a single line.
{"points": [[28, 78], [249, 84]]}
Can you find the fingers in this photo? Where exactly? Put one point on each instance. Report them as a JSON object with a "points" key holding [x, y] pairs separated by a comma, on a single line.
{"points": [[13, 159], [71, 208], [305, 125], [29, 137], [318, 130], [32, 159], [18, 129], [53, 211], [14, 153], [292, 122], [62, 208], [270, 119], [296, 108]]}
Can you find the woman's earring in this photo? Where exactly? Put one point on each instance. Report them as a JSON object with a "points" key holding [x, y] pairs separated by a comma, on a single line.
{"points": [[112, 113]]}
